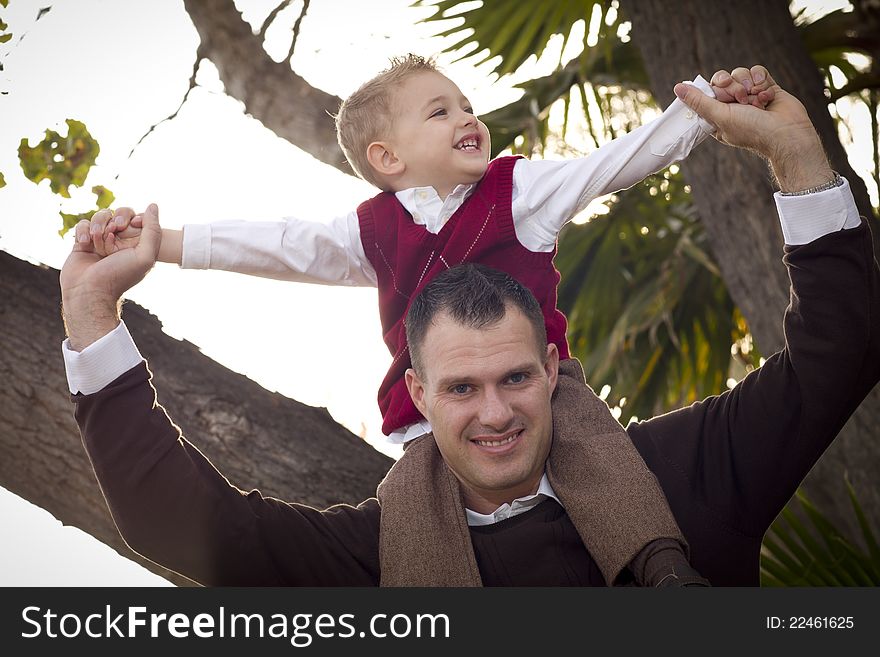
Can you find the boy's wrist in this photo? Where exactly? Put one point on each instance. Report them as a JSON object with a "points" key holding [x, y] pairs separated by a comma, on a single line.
{"points": [[171, 246]]}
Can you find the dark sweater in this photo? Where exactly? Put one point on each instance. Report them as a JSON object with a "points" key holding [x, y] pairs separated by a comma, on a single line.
{"points": [[727, 464]]}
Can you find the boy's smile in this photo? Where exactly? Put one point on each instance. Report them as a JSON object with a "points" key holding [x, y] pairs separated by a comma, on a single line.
{"points": [[435, 141]]}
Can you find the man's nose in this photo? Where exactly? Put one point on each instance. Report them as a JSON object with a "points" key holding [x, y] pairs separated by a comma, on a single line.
{"points": [[495, 410]]}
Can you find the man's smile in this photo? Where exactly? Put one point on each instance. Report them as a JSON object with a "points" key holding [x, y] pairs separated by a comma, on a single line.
{"points": [[499, 444]]}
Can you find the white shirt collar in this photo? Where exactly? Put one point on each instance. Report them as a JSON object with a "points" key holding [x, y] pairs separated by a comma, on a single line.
{"points": [[428, 209], [518, 506]]}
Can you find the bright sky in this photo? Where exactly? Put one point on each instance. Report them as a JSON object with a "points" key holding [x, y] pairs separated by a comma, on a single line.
{"points": [[121, 67]]}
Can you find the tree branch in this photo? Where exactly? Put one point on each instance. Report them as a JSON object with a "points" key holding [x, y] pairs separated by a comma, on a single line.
{"points": [[302, 14], [192, 85], [271, 92], [272, 16]]}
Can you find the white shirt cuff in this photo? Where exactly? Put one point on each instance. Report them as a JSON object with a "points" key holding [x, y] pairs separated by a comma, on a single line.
{"points": [[102, 362], [700, 83], [196, 252], [809, 217]]}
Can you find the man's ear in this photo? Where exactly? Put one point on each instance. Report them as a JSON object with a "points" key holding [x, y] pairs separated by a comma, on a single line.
{"points": [[416, 390], [384, 161], [551, 366]]}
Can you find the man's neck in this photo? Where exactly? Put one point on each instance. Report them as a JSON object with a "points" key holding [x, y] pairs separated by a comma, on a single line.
{"points": [[488, 501]]}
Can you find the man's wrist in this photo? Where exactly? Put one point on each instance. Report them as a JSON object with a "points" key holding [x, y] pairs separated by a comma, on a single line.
{"points": [[802, 166], [836, 181], [87, 318]]}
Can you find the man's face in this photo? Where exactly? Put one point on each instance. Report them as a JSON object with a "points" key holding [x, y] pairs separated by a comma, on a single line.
{"points": [[435, 135], [487, 395]]}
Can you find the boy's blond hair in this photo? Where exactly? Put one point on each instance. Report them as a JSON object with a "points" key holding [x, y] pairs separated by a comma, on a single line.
{"points": [[367, 114]]}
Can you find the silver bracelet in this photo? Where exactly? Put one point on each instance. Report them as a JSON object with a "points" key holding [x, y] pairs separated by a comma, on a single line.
{"points": [[837, 181]]}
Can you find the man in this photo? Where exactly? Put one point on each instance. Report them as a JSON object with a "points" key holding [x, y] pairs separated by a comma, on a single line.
{"points": [[726, 465]]}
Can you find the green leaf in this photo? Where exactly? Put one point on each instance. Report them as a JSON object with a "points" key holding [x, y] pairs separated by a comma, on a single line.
{"points": [[105, 196], [870, 539], [836, 561], [64, 161], [808, 565], [68, 221], [5, 37], [2, 180]]}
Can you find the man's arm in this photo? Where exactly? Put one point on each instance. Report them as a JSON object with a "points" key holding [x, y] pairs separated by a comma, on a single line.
{"points": [[169, 502], [740, 456], [174, 507]]}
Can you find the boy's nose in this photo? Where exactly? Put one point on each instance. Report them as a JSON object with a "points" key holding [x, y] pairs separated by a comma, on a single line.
{"points": [[467, 118]]}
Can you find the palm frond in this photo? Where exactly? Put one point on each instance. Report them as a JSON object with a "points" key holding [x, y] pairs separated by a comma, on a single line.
{"points": [[648, 312], [511, 30], [804, 548]]}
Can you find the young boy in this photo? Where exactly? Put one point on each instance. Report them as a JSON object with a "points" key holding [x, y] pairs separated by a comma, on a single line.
{"points": [[411, 132]]}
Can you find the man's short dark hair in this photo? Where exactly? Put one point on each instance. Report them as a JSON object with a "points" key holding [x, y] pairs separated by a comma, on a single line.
{"points": [[475, 296]]}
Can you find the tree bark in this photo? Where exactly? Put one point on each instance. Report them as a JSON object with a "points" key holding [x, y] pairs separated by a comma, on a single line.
{"points": [[732, 191], [247, 431]]}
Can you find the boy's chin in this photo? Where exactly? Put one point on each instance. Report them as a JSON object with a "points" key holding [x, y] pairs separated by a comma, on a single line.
{"points": [[477, 171]]}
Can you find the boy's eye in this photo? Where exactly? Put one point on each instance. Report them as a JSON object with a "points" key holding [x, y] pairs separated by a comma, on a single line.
{"points": [[439, 112], [469, 110]]}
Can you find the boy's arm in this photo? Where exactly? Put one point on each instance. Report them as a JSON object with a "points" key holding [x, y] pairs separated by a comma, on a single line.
{"points": [[171, 246], [550, 193], [294, 250]]}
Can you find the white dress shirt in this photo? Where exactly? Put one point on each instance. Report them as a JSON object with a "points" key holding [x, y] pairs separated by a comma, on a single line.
{"points": [[519, 505], [546, 195]]}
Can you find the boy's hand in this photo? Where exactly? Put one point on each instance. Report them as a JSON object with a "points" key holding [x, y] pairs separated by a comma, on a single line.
{"points": [[746, 86], [111, 231]]}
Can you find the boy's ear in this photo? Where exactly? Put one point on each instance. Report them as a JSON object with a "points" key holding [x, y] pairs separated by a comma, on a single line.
{"points": [[382, 158]]}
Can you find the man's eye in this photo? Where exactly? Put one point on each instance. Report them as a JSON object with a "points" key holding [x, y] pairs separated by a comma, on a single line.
{"points": [[461, 389], [519, 377]]}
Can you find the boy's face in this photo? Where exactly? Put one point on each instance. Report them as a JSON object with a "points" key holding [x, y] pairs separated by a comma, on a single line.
{"points": [[435, 137]]}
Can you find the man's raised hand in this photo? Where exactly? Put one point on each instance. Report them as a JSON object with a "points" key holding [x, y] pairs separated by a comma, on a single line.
{"points": [[781, 132], [92, 284]]}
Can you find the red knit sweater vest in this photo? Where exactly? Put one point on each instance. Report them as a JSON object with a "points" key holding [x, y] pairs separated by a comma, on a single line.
{"points": [[406, 256]]}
